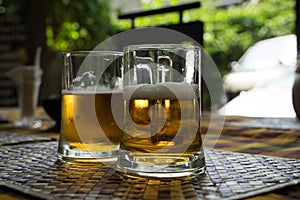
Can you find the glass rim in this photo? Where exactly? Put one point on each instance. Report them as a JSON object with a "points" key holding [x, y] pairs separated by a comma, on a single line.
{"points": [[170, 46], [93, 53]]}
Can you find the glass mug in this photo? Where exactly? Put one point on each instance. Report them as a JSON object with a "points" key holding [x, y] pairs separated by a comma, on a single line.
{"points": [[161, 91], [89, 132]]}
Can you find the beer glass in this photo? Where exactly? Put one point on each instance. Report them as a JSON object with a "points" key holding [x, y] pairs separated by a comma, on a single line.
{"points": [[89, 132], [161, 92]]}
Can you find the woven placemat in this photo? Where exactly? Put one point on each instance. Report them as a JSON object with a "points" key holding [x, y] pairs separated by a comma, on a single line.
{"points": [[33, 169], [12, 138]]}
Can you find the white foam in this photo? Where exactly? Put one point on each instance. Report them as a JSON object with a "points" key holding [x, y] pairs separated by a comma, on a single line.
{"points": [[82, 91], [168, 90], [161, 91], [87, 79]]}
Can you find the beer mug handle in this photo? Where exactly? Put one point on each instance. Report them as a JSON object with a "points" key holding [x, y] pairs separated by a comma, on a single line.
{"points": [[164, 69], [144, 73]]}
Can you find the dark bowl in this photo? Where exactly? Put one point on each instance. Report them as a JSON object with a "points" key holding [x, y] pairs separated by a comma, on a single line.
{"points": [[52, 106]]}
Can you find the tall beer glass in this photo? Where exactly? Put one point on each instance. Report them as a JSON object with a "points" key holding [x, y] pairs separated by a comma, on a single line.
{"points": [[161, 135], [89, 132]]}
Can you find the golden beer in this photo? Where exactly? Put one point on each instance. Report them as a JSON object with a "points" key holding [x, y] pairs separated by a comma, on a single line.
{"points": [[162, 127], [89, 130], [161, 131]]}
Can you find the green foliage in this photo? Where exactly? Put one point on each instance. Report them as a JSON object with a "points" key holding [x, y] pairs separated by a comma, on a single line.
{"points": [[228, 32], [13, 7], [77, 24]]}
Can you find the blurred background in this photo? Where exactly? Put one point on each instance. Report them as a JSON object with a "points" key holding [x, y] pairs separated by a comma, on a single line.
{"points": [[230, 30]]}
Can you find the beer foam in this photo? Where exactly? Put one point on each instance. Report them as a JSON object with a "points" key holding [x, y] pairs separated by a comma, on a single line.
{"points": [[86, 80], [168, 90], [89, 83], [161, 91], [114, 91]]}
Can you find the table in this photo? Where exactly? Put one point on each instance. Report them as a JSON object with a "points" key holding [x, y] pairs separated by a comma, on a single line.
{"points": [[270, 137]]}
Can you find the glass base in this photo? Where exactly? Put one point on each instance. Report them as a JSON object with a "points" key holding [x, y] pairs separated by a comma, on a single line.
{"points": [[68, 155], [72, 160], [28, 123], [160, 166]]}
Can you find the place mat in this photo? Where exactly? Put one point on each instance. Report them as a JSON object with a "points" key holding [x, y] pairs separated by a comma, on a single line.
{"points": [[34, 170], [274, 123], [12, 138], [263, 141]]}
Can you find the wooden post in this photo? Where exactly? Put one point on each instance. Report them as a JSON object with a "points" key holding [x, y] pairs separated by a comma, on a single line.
{"points": [[35, 21]]}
